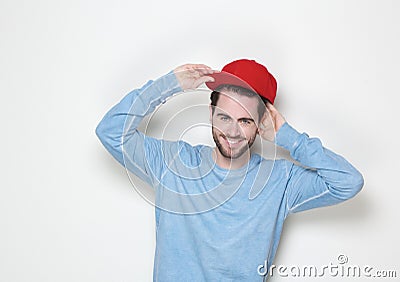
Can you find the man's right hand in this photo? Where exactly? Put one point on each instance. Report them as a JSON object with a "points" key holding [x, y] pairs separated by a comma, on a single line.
{"points": [[191, 76]]}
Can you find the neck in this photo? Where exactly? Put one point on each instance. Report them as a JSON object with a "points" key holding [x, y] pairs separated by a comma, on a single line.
{"points": [[228, 163]]}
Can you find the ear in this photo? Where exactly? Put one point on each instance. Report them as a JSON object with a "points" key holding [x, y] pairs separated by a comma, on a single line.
{"points": [[210, 108], [260, 126], [259, 129]]}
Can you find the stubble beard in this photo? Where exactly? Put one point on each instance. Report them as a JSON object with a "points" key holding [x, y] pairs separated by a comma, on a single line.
{"points": [[227, 153]]}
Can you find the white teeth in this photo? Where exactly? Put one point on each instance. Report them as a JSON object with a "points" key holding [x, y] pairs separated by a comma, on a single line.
{"points": [[233, 141]]}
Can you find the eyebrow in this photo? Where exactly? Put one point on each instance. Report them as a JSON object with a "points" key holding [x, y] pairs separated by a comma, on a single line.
{"points": [[240, 119]]}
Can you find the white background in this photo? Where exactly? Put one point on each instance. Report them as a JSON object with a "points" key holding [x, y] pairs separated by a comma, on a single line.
{"points": [[67, 209]]}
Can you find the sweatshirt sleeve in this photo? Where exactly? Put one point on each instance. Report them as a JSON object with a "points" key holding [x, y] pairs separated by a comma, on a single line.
{"points": [[118, 132], [323, 178]]}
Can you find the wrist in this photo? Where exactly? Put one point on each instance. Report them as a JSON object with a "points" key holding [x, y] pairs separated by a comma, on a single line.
{"points": [[286, 137], [279, 123]]}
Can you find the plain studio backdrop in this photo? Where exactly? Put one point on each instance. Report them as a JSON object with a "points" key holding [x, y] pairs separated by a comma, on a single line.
{"points": [[68, 211]]}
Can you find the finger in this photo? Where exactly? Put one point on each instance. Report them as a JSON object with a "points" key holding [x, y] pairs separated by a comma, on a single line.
{"points": [[271, 108], [201, 66], [198, 67], [266, 116], [206, 71], [204, 79]]}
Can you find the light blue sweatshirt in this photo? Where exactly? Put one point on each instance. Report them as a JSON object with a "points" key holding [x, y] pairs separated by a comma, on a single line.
{"points": [[214, 224]]}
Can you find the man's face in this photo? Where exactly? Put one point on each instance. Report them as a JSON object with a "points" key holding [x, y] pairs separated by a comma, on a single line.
{"points": [[234, 124]]}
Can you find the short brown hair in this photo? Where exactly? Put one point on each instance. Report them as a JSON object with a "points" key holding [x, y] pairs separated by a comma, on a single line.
{"points": [[241, 91]]}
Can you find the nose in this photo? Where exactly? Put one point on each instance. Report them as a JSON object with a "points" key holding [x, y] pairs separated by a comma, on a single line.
{"points": [[233, 130]]}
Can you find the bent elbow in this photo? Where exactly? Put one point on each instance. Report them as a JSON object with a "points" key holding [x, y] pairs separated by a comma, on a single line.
{"points": [[105, 135], [356, 184], [347, 187], [100, 132]]}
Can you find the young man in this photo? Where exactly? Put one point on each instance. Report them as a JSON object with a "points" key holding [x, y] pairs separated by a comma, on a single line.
{"points": [[220, 211]]}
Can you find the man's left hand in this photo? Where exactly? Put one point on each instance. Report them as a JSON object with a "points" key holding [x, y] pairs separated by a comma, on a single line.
{"points": [[270, 123]]}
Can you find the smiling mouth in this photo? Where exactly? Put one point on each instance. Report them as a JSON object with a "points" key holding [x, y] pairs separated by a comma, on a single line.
{"points": [[232, 141]]}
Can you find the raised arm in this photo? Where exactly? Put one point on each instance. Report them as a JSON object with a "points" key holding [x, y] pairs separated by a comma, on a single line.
{"points": [[324, 177], [118, 129]]}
